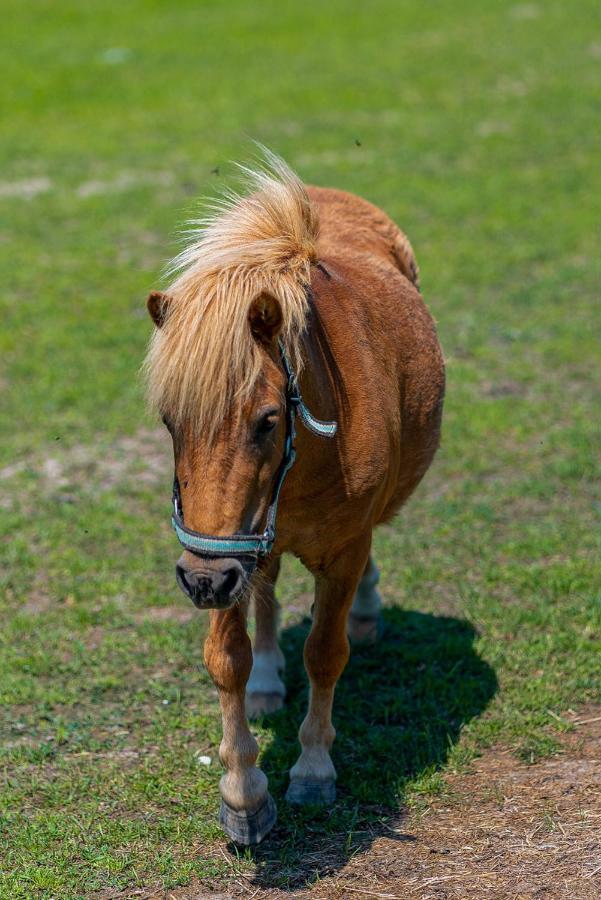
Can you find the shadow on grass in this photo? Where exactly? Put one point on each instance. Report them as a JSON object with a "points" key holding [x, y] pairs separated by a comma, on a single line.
{"points": [[399, 708]]}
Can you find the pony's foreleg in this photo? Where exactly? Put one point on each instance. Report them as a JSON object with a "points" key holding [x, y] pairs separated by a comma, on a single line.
{"points": [[365, 621], [313, 777], [247, 810], [265, 690]]}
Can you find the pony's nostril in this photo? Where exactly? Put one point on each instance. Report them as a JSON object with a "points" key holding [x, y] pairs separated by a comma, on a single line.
{"points": [[232, 580], [180, 575]]}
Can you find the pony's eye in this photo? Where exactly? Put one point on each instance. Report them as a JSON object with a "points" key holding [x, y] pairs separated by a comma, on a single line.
{"points": [[267, 422]]}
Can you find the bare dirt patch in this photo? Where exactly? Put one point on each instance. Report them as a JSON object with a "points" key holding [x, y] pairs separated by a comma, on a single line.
{"points": [[125, 181], [179, 614], [27, 188], [39, 599], [502, 830], [144, 458]]}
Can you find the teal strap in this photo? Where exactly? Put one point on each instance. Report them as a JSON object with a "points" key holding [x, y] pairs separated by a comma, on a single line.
{"points": [[323, 429], [211, 546], [293, 396]]}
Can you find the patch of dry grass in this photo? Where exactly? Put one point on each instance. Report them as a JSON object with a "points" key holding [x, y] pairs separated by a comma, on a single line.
{"points": [[501, 830]]}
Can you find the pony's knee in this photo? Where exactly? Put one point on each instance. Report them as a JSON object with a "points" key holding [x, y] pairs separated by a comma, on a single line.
{"points": [[228, 658], [325, 659]]}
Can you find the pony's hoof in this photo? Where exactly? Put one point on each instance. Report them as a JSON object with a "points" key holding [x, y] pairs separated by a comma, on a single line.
{"points": [[303, 791], [363, 632], [263, 704], [248, 828]]}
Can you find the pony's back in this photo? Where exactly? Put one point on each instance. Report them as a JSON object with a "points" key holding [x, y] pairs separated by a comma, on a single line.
{"points": [[349, 221]]}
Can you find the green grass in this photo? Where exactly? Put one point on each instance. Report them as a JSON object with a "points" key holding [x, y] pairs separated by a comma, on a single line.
{"points": [[474, 125]]}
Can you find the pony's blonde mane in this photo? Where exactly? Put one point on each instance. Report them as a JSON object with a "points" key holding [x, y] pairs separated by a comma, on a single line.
{"points": [[204, 357]]}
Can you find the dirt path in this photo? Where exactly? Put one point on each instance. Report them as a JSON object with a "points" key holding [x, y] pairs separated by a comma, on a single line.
{"points": [[503, 830], [145, 457]]}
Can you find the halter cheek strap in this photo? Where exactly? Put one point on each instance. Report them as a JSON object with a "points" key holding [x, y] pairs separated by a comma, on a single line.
{"points": [[294, 399], [254, 546]]}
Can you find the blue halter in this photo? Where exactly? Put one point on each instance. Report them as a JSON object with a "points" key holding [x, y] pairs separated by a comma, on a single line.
{"points": [[255, 546]]}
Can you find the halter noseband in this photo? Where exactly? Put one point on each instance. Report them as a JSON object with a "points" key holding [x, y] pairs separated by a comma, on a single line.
{"points": [[254, 546]]}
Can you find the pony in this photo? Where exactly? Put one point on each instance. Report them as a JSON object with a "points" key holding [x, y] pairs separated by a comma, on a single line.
{"points": [[289, 302]]}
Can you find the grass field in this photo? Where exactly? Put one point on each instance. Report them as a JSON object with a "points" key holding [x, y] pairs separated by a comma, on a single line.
{"points": [[476, 126]]}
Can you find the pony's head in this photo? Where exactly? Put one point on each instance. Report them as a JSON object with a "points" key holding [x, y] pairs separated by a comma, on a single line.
{"points": [[214, 370]]}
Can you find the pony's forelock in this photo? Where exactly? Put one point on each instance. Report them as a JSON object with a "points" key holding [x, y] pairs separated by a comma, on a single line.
{"points": [[204, 358]]}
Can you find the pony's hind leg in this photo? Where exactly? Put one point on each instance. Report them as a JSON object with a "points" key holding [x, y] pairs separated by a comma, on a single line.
{"points": [[313, 777], [247, 811], [265, 690], [365, 619]]}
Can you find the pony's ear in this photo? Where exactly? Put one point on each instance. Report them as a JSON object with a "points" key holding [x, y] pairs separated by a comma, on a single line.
{"points": [[265, 318], [157, 305]]}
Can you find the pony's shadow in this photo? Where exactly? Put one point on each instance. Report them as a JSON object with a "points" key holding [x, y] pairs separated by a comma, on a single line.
{"points": [[399, 709]]}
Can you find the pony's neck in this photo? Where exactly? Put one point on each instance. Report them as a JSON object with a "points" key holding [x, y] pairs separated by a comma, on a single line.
{"points": [[321, 381]]}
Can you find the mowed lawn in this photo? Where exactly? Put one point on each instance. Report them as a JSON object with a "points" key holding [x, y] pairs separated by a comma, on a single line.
{"points": [[476, 126]]}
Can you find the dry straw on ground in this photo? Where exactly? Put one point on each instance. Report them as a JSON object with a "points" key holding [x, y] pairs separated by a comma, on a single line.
{"points": [[503, 830]]}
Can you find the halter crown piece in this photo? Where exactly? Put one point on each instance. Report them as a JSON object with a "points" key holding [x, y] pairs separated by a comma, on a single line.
{"points": [[254, 546]]}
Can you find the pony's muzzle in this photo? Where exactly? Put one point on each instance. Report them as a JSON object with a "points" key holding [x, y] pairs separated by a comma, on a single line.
{"points": [[210, 583]]}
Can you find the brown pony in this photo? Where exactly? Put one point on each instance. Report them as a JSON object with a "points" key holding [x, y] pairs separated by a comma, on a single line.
{"points": [[324, 284]]}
